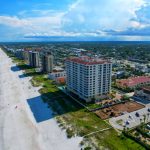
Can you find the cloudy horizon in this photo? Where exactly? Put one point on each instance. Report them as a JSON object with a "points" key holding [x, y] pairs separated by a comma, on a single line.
{"points": [[115, 20]]}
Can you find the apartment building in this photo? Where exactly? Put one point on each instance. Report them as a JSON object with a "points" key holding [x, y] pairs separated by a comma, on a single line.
{"points": [[133, 82], [19, 53], [87, 77], [47, 62], [34, 59]]}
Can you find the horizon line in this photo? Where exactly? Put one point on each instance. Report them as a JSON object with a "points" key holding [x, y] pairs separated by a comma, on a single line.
{"points": [[68, 41]]}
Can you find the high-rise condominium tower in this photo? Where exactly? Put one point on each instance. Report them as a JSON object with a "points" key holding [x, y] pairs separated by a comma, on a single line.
{"points": [[88, 77]]}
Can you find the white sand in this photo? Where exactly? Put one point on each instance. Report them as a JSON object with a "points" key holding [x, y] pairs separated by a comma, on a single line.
{"points": [[18, 128]]}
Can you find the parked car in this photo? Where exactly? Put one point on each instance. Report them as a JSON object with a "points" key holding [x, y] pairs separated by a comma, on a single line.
{"points": [[137, 114]]}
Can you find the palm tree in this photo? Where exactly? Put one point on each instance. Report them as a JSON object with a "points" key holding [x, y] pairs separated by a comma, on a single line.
{"points": [[141, 122], [148, 114], [124, 128]]}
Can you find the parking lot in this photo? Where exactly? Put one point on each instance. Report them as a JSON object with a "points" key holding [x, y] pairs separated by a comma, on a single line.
{"points": [[132, 119]]}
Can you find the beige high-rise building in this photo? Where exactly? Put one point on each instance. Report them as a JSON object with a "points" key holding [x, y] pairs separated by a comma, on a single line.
{"points": [[47, 62], [87, 77], [34, 59]]}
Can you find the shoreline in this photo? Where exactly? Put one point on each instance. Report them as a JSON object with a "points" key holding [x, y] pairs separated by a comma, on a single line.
{"points": [[48, 132], [72, 119]]}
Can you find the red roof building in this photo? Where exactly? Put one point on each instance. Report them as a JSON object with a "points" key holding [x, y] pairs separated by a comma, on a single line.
{"points": [[133, 82], [88, 77], [61, 80], [85, 60]]}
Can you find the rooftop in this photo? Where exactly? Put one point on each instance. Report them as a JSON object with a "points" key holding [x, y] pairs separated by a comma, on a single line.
{"points": [[61, 79], [58, 69], [33, 49], [88, 60], [133, 81]]}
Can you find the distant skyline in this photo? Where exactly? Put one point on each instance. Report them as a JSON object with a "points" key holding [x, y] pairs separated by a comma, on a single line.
{"points": [[69, 20]]}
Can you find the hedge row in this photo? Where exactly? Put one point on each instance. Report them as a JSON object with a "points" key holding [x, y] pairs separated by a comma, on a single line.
{"points": [[142, 132], [127, 134]]}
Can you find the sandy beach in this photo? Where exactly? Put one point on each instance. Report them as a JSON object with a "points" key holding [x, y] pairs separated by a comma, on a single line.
{"points": [[19, 130]]}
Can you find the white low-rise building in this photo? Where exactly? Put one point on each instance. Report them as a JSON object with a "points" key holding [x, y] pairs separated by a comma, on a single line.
{"points": [[55, 75]]}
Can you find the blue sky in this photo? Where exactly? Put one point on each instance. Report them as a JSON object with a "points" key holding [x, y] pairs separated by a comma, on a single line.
{"points": [[35, 20]]}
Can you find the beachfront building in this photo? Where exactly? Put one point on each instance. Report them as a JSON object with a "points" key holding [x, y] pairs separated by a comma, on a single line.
{"points": [[26, 56], [87, 77], [61, 80], [47, 62], [133, 82], [58, 75], [55, 75], [19, 53], [34, 59]]}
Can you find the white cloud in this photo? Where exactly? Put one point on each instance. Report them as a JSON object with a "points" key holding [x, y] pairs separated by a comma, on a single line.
{"points": [[64, 34], [98, 14], [13, 21], [33, 24], [134, 38], [82, 18], [38, 13], [138, 25]]}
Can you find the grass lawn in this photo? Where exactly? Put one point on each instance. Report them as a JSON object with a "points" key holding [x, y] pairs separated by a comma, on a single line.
{"points": [[75, 119], [120, 122]]}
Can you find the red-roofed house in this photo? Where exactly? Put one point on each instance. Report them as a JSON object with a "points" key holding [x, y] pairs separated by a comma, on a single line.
{"points": [[133, 82], [61, 80]]}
